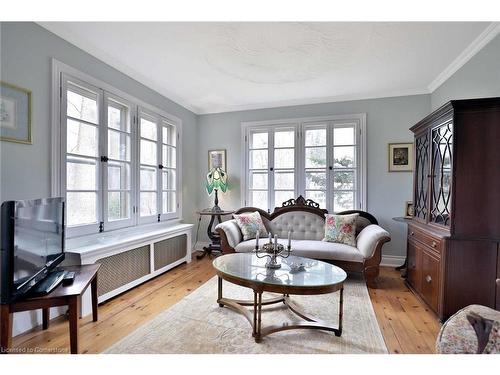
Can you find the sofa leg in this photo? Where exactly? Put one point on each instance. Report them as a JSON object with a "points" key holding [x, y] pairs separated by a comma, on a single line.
{"points": [[371, 275]]}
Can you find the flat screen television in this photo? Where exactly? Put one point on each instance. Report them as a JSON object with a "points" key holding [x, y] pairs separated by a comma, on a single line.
{"points": [[32, 244]]}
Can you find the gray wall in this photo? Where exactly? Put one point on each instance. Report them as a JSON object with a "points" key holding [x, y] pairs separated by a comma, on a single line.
{"points": [[26, 51], [478, 78], [388, 120]]}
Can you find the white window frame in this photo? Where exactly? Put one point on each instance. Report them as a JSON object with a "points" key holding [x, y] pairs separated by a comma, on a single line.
{"points": [[301, 124], [60, 72]]}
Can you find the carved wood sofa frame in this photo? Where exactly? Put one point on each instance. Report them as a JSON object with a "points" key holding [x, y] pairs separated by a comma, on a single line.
{"points": [[370, 268]]}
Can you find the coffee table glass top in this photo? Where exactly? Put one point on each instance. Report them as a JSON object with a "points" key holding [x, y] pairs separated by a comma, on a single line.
{"points": [[313, 273]]}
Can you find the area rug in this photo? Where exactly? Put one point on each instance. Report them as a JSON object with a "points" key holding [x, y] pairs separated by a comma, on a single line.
{"points": [[197, 324]]}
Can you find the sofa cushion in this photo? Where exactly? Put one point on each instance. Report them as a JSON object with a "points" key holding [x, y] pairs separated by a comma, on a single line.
{"points": [[250, 224], [341, 229], [302, 225], [312, 249]]}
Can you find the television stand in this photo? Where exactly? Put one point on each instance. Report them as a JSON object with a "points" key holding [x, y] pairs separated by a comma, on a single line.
{"points": [[70, 295], [47, 285]]}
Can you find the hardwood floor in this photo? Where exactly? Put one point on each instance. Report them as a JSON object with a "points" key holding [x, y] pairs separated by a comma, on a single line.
{"points": [[407, 325]]}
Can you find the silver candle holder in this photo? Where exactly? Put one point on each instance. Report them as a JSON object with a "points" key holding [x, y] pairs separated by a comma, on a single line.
{"points": [[272, 251]]}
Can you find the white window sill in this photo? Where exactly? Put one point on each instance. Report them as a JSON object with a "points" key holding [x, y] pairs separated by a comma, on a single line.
{"points": [[101, 242]]}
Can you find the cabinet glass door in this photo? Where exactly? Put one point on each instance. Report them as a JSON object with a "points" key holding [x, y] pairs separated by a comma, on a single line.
{"points": [[421, 177], [442, 143]]}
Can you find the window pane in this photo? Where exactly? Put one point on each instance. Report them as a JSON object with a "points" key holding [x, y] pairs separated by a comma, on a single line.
{"points": [[169, 201], [81, 106], [284, 138], [169, 135], [80, 174], [118, 175], [343, 201], [315, 137], [258, 180], [148, 129], [258, 140], [148, 178], [118, 145], [148, 204], [343, 180], [81, 208], [117, 118], [284, 180], [169, 159], [118, 205], [282, 196], [316, 180], [344, 136], [259, 199], [344, 157], [81, 138], [148, 152], [168, 179], [316, 157], [258, 159], [284, 158], [318, 197]]}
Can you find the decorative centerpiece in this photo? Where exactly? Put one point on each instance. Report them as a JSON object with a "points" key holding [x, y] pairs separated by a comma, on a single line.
{"points": [[273, 250]]}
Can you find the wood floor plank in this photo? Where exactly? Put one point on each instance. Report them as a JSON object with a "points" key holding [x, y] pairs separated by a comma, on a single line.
{"points": [[407, 325]]}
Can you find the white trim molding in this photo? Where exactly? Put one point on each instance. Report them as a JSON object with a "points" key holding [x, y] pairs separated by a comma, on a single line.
{"points": [[472, 49]]}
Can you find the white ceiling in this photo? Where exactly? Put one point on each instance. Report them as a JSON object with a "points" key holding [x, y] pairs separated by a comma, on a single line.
{"points": [[220, 67]]}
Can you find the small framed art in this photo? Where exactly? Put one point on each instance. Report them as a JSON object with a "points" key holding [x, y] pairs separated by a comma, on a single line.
{"points": [[400, 157], [409, 209], [217, 158], [15, 114]]}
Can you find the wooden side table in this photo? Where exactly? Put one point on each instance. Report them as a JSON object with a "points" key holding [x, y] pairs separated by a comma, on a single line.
{"points": [[69, 295], [214, 237]]}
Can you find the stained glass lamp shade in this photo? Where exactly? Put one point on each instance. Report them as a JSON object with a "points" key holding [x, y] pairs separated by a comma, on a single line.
{"points": [[216, 180]]}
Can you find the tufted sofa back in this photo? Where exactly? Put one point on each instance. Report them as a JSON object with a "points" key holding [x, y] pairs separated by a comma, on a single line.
{"points": [[303, 225]]}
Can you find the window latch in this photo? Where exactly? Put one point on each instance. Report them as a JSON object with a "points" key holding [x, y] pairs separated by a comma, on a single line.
{"points": [[104, 159], [101, 226], [159, 217], [160, 166]]}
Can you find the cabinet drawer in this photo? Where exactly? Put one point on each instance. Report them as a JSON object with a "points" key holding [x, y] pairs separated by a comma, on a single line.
{"points": [[430, 278], [433, 242], [414, 266]]}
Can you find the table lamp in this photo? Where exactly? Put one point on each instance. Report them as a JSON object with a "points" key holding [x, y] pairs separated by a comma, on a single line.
{"points": [[216, 179]]}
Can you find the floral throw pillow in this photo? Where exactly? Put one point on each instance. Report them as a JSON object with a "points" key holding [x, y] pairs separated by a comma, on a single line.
{"points": [[250, 224], [341, 229]]}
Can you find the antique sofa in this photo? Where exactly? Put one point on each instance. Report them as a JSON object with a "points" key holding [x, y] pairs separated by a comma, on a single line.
{"points": [[306, 222]]}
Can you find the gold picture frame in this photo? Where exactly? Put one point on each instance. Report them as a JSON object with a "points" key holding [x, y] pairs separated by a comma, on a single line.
{"points": [[15, 114], [400, 157], [217, 158], [409, 210]]}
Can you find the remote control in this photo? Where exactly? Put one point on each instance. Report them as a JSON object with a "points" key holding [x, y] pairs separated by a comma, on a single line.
{"points": [[69, 276]]}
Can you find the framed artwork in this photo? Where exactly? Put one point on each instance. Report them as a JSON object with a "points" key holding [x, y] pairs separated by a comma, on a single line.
{"points": [[217, 158], [400, 157], [409, 209], [15, 114]]}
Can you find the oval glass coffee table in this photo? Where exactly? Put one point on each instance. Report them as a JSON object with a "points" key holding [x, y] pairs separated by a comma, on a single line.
{"points": [[313, 277]]}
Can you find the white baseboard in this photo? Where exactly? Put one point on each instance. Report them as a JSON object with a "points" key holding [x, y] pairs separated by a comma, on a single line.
{"points": [[392, 260]]}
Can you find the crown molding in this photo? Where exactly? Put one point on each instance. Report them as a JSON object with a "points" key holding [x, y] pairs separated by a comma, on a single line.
{"points": [[477, 44], [309, 101]]}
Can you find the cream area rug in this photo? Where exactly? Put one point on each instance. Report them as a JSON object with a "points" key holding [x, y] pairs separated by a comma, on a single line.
{"points": [[197, 324]]}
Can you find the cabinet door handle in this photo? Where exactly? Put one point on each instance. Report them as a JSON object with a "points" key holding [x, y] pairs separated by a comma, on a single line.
{"points": [[434, 243], [428, 278], [412, 233]]}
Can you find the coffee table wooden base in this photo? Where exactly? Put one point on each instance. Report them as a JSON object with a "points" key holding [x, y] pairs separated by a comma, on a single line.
{"points": [[255, 319]]}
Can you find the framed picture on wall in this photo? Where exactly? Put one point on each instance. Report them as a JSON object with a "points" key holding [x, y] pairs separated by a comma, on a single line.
{"points": [[217, 158], [409, 209], [400, 157], [15, 114]]}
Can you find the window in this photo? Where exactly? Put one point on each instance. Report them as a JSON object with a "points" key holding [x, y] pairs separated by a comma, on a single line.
{"points": [[118, 157], [321, 160]]}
